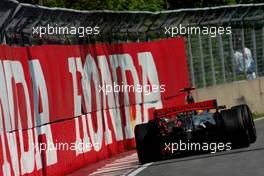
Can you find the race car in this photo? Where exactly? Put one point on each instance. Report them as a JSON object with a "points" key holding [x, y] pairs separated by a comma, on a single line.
{"points": [[193, 123]]}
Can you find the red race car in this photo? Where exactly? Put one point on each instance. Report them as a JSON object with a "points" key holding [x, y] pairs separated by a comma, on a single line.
{"points": [[194, 127]]}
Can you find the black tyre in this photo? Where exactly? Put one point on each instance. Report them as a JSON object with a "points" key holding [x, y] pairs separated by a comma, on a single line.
{"points": [[248, 121], [147, 142], [234, 128]]}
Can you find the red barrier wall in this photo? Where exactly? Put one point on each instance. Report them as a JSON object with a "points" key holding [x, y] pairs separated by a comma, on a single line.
{"points": [[62, 107]]}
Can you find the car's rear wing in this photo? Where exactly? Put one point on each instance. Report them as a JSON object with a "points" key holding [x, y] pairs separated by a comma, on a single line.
{"points": [[209, 104]]}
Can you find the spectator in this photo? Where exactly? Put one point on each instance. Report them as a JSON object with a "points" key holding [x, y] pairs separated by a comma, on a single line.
{"points": [[244, 60]]}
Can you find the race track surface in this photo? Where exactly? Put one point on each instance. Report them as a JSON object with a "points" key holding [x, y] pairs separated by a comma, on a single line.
{"points": [[240, 162]]}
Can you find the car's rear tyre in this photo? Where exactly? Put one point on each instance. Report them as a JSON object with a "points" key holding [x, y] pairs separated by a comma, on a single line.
{"points": [[248, 121], [234, 129], [147, 142]]}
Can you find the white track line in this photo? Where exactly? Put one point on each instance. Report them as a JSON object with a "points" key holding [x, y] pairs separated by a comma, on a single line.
{"points": [[261, 118], [135, 172]]}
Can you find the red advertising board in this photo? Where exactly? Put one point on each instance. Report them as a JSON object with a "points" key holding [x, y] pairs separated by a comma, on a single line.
{"points": [[62, 107]]}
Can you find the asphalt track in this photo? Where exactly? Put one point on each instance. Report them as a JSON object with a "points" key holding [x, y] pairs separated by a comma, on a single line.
{"points": [[240, 162]]}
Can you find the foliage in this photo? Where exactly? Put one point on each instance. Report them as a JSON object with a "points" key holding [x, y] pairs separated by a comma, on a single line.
{"points": [[148, 5]]}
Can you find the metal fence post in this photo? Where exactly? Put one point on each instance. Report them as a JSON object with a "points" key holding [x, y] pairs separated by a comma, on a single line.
{"points": [[253, 37], [202, 60], [191, 60], [263, 45], [212, 59], [221, 53], [232, 57], [127, 40], [243, 49]]}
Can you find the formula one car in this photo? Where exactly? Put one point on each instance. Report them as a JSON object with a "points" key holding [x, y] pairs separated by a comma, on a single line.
{"points": [[198, 123]]}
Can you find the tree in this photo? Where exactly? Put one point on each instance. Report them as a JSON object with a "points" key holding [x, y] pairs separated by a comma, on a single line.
{"points": [[148, 5]]}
